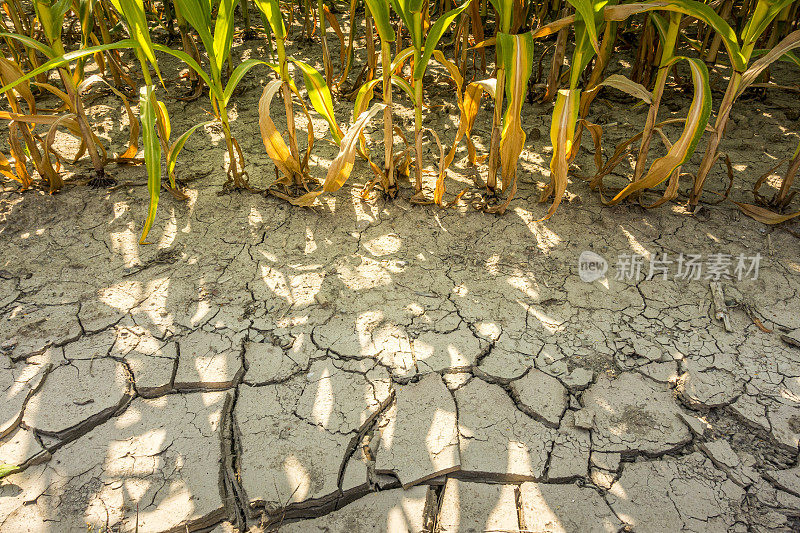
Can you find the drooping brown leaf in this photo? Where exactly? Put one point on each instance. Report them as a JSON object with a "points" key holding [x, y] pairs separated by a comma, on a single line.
{"points": [[342, 165], [276, 148], [764, 215], [562, 136]]}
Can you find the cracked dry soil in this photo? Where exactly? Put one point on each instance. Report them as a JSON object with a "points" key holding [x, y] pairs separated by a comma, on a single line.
{"points": [[378, 366]]}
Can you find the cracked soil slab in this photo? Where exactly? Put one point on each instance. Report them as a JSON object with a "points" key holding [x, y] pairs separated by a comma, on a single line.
{"points": [[419, 433]]}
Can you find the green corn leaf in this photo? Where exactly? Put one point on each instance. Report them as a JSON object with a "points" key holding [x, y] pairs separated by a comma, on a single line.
{"points": [[517, 59], [66, 59], [660, 24], [177, 146], [401, 8], [410, 13], [6, 470], [270, 10], [415, 6], [152, 155], [791, 56], [380, 14], [136, 21], [582, 54], [85, 15], [585, 11], [186, 58], [404, 85], [505, 9], [165, 118], [223, 31], [45, 16], [277, 69], [237, 75], [320, 97], [434, 35], [757, 25], [198, 14], [164, 129], [51, 17], [31, 43]]}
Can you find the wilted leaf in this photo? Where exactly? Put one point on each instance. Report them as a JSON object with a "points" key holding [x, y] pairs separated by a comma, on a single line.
{"points": [[562, 135], [517, 57], [637, 90], [273, 142], [763, 215], [177, 146], [789, 42], [682, 150], [342, 165], [469, 109]]}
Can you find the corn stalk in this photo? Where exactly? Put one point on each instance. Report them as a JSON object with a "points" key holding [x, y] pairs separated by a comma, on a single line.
{"points": [[422, 44], [380, 14]]}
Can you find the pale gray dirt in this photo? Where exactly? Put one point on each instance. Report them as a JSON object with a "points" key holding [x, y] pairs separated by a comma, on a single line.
{"points": [[271, 367]]}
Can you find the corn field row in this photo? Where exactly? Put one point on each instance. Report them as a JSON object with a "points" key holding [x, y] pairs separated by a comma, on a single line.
{"points": [[487, 48]]}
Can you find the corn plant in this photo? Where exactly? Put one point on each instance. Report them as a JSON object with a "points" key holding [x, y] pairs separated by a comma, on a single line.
{"points": [[287, 159], [217, 37], [742, 77], [763, 14], [217, 42], [379, 10], [422, 47], [23, 141], [515, 63], [515, 57], [153, 112], [51, 17], [565, 113], [514, 66], [504, 11]]}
